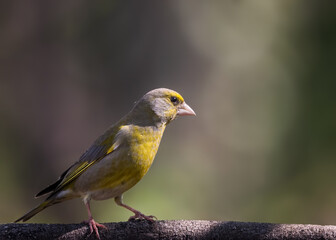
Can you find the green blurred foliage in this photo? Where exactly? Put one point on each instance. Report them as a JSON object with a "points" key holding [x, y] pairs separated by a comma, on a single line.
{"points": [[259, 74]]}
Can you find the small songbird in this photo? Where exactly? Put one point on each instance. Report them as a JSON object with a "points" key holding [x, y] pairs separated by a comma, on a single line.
{"points": [[119, 158]]}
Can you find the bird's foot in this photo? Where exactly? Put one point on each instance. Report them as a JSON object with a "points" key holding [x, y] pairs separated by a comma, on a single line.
{"points": [[139, 215], [94, 226]]}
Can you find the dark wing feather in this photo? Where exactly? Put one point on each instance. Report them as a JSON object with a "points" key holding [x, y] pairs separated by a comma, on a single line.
{"points": [[51, 187]]}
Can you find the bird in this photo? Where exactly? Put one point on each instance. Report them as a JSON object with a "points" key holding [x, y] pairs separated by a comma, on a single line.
{"points": [[119, 158]]}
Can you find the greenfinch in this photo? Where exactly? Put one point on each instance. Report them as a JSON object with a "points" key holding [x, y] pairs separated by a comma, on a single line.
{"points": [[119, 158]]}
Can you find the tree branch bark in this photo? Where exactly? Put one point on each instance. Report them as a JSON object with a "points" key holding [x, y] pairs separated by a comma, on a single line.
{"points": [[176, 229]]}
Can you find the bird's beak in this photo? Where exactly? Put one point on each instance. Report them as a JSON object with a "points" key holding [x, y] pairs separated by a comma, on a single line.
{"points": [[184, 110]]}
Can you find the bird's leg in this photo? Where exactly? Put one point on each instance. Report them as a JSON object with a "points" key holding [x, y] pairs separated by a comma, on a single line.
{"points": [[137, 214], [92, 223]]}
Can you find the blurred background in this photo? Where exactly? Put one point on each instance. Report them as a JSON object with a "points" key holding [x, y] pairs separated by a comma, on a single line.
{"points": [[259, 74]]}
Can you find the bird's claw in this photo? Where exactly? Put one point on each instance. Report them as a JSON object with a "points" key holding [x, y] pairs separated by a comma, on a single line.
{"points": [[93, 225], [139, 215]]}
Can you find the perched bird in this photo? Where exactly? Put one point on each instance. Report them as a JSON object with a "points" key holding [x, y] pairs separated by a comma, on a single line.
{"points": [[119, 158]]}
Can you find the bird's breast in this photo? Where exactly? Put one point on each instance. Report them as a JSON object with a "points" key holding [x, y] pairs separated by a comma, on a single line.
{"points": [[144, 143]]}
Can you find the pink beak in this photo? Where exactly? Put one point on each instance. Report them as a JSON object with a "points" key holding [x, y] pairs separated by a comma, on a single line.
{"points": [[184, 110]]}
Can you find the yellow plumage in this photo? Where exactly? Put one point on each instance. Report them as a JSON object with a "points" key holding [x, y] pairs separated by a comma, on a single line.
{"points": [[119, 158]]}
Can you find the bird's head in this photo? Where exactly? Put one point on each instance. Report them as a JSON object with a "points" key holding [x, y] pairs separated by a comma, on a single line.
{"points": [[162, 105]]}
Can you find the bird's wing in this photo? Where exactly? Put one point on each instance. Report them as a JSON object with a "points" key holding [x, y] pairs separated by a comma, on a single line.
{"points": [[103, 146]]}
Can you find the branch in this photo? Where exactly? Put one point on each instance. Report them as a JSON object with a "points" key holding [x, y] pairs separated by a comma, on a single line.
{"points": [[177, 229]]}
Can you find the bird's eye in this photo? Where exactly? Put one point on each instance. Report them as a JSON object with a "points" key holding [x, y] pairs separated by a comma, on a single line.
{"points": [[173, 99]]}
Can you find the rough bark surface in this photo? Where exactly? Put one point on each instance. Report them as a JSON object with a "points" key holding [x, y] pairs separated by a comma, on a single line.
{"points": [[177, 229]]}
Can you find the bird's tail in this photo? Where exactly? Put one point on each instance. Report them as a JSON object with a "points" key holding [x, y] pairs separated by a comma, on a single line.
{"points": [[38, 209]]}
